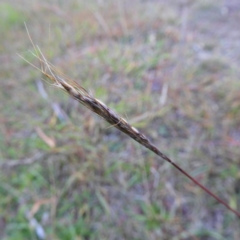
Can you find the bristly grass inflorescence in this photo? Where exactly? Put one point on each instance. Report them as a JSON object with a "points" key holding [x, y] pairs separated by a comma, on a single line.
{"points": [[84, 97]]}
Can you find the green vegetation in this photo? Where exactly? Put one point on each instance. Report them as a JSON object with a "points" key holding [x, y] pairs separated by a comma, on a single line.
{"points": [[165, 68]]}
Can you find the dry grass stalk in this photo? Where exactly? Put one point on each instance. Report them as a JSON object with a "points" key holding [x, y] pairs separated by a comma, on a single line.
{"points": [[95, 105]]}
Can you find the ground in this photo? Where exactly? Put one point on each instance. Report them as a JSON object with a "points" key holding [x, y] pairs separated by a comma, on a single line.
{"points": [[171, 68]]}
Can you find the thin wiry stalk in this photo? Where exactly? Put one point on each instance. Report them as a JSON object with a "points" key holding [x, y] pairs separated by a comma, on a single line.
{"points": [[95, 105]]}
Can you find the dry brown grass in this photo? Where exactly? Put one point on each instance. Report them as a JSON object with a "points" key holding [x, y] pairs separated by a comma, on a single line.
{"points": [[97, 106], [171, 69]]}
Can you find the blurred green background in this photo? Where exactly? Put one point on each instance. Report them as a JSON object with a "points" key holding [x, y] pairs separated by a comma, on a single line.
{"points": [[171, 68]]}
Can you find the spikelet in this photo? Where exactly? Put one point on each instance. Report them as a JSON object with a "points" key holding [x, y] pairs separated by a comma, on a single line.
{"points": [[80, 94]]}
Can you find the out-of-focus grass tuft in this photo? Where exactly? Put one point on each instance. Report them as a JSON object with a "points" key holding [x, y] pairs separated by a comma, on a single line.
{"points": [[171, 69], [10, 17]]}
